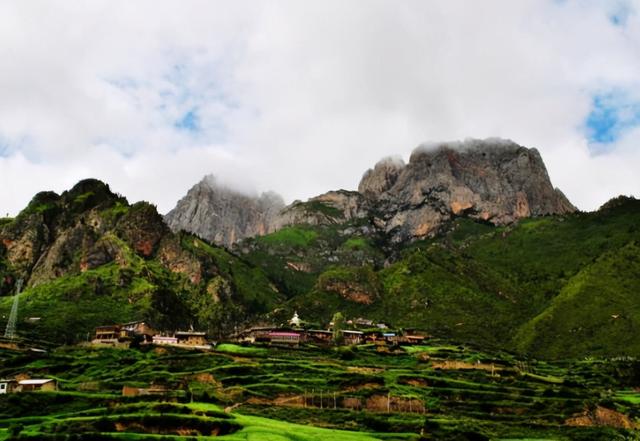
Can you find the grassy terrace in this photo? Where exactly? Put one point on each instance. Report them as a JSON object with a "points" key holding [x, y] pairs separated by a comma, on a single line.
{"points": [[440, 391]]}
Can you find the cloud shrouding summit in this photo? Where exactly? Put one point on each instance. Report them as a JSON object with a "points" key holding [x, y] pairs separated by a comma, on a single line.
{"points": [[303, 97]]}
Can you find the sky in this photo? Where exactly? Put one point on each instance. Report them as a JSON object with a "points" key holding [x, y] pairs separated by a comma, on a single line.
{"points": [[302, 97]]}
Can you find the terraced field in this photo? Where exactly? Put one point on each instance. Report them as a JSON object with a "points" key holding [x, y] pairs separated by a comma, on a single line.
{"points": [[439, 391]]}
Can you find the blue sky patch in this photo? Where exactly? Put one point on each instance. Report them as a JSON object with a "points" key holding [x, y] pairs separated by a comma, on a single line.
{"points": [[4, 148], [189, 121], [612, 115], [620, 12]]}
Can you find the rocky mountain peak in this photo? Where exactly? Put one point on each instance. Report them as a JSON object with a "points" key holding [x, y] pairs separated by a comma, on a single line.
{"points": [[492, 180], [381, 178], [224, 215]]}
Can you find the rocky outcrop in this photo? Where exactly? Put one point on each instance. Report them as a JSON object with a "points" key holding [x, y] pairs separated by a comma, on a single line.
{"points": [[334, 207], [381, 178], [492, 180], [222, 215], [83, 229]]}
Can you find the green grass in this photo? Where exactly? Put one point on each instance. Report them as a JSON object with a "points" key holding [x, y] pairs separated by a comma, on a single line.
{"points": [[315, 206], [593, 310], [356, 243], [297, 237], [229, 348], [632, 397], [458, 401], [546, 286]]}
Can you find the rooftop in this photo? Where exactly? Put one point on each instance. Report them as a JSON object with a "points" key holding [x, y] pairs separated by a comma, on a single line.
{"points": [[284, 334], [35, 381]]}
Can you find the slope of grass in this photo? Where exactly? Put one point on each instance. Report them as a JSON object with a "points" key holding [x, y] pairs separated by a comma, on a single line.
{"points": [[263, 390], [295, 237], [598, 311], [482, 284]]}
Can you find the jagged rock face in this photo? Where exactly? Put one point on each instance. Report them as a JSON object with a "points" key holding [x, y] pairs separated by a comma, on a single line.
{"points": [[79, 230], [492, 180], [334, 207], [224, 216], [381, 178]]}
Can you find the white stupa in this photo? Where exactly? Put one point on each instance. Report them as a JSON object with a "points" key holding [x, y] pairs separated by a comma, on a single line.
{"points": [[295, 320]]}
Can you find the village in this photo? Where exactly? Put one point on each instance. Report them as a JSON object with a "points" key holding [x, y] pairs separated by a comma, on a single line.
{"points": [[294, 333]]}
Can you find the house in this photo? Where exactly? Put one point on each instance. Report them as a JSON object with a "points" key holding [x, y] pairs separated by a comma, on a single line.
{"points": [[373, 337], [286, 338], [352, 337], [140, 328], [414, 339], [191, 338], [37, 385], [320, 335], [362, 322], [111, 335], [390, 337], [255, 334], [164, 340], [123, 334], [7, 386]]}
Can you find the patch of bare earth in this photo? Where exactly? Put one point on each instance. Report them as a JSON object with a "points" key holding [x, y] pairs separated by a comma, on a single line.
{"points": [[601, 416]]}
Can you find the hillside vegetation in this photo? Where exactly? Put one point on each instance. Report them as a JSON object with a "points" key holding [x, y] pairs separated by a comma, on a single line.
{"points": [[553, 286], [433, 392], [88, 258]]}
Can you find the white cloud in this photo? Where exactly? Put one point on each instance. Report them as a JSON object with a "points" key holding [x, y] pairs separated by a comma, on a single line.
{"points": [[302, 97]]}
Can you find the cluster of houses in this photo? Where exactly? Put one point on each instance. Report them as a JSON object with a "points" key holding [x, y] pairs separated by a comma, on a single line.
{"points": [[13, 385], [124, 334], [363, 331], [295, 332]]}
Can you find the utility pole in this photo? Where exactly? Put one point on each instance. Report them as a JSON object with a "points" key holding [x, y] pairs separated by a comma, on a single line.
{"points": [[10, 330]]}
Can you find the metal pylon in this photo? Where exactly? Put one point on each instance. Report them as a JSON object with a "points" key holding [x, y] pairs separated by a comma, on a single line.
{"points": [[10, 331]]}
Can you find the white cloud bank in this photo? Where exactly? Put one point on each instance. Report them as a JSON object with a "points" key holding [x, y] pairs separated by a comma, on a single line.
{"points": [[303, 97]]}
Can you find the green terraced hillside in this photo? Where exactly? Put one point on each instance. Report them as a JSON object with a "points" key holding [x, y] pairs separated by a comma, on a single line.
{"points": [[436, 391]]}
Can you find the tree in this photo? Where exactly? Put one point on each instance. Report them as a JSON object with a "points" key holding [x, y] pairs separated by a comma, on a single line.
{"points": [[338, 326]]}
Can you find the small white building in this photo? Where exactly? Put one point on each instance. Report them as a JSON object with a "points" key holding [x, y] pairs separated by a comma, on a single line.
{"points": [[7, 386], [37, 384]]}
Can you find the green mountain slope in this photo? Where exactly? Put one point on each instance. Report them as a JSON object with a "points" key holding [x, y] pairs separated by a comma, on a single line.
{"points": [[89, 258], [598, 311], [549, 286], [485, 284]]}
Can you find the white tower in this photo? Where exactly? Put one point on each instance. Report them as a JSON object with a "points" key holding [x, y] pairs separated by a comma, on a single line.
{"points": [[295, 320]]}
